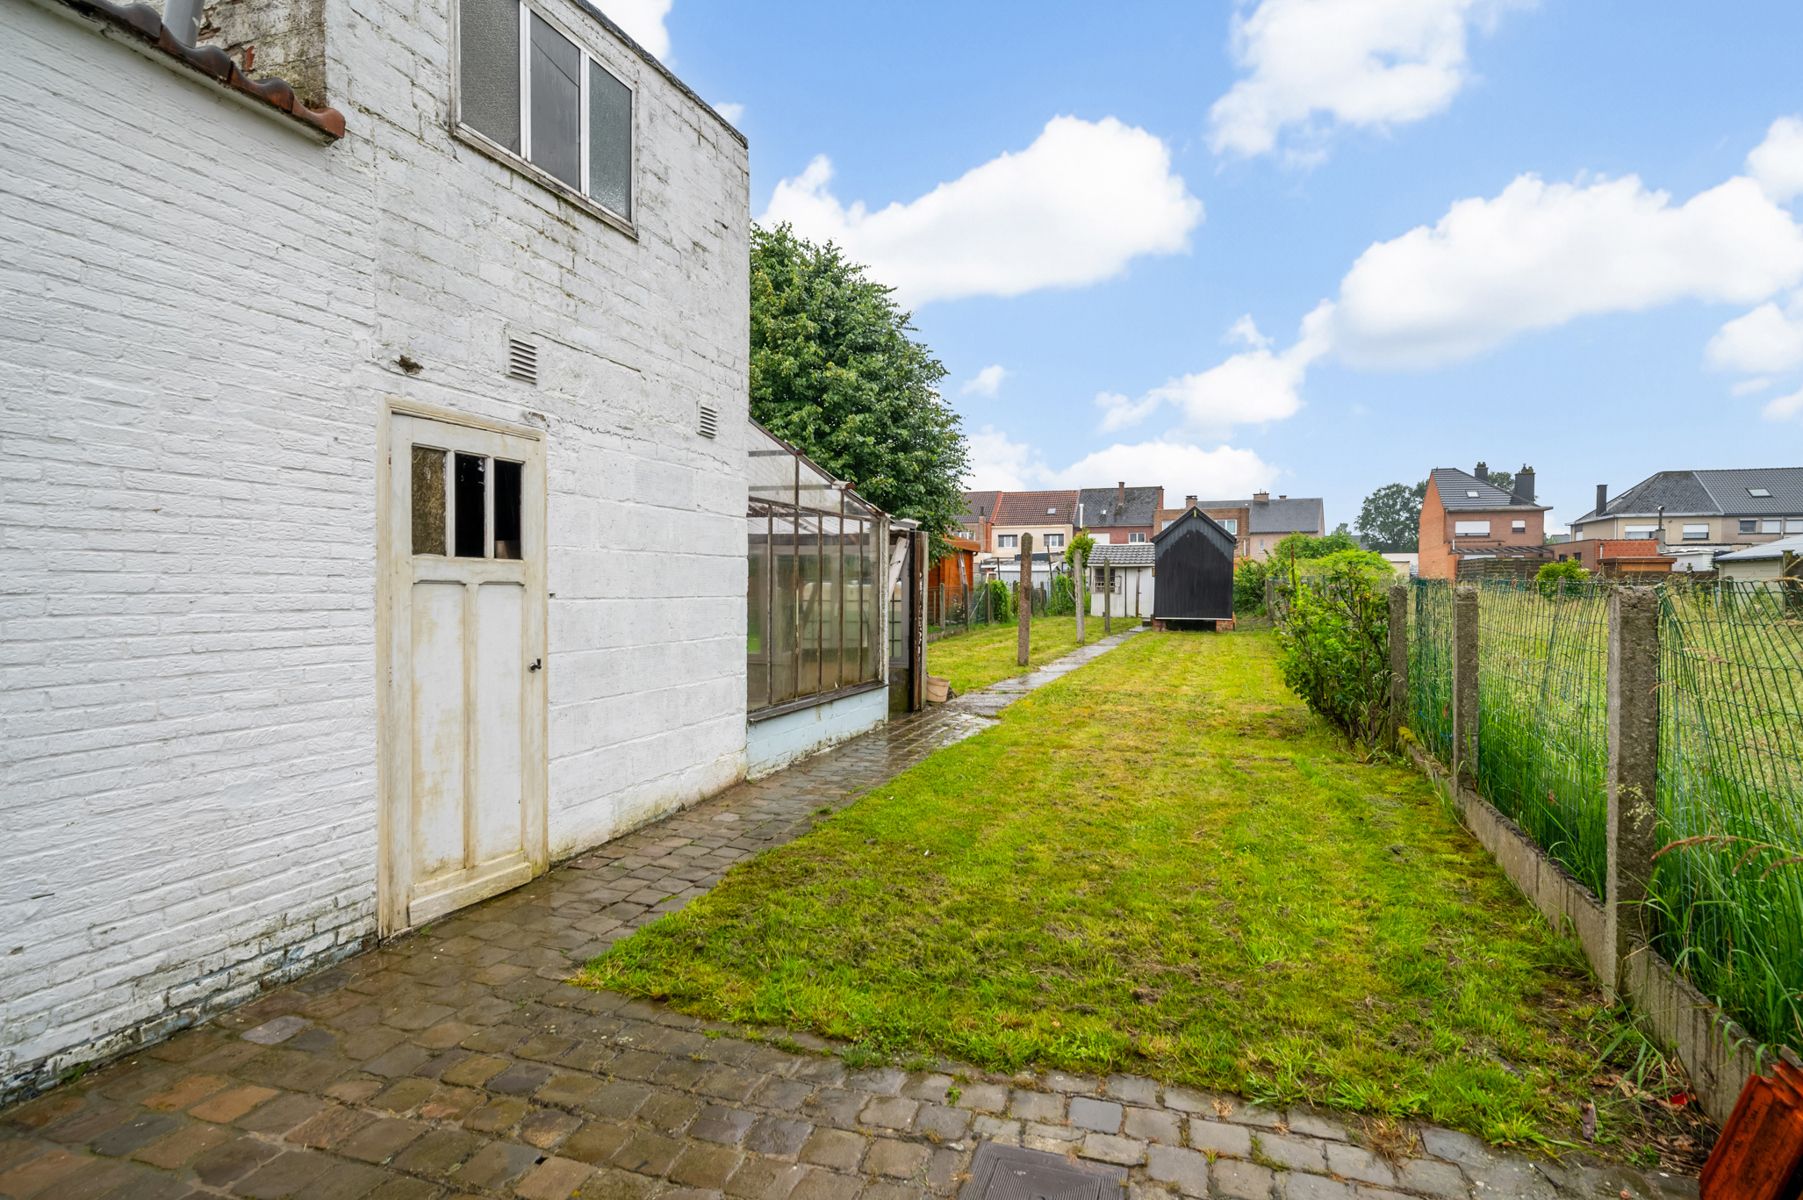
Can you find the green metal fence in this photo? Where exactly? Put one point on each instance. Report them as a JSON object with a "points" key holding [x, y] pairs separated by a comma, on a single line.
{"points": [[1728, 887], [1543, 717], [1430, 666]]}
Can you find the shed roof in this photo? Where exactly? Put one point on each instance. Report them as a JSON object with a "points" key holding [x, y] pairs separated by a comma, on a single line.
{"points": [[1193, 513], [1130, 554], [1617, 549], [1101, 511], [1777, 549], [1036, 508]]}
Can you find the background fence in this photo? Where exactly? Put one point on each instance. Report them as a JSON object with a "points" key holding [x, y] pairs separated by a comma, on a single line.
{"points": [[955, 608], [1726, 896]]}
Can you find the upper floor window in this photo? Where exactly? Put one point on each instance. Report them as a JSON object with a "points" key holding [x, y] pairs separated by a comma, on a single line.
{"points": [[1518, 526], [1793, 524], [525, 89], [1471, 529], [1639, 532], [1696, 533], [1135, 537], [1007, 541], [1747, 526], [1054, 541], [1230, 524], [1771, 525]]}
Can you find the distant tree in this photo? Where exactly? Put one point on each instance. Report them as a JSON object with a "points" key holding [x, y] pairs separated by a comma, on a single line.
{"points": [[1390, 518], [1503, 479], [1561, 578], [1082, 544], [1307, 545], [836, 371]]}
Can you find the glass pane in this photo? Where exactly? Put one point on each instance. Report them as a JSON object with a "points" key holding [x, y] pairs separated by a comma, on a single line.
{"points": [[830, 596], [509, 479], [428, 500], [817, 490], [770, 468], [851, 586], [873, 600], [488, 36], [471, 500], [757, 609], [783, 607], [609, 140], [556, 103], [807, 561]]}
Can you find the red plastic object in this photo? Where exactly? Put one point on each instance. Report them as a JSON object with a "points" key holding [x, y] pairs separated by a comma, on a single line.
{"points": [[1760, 1153]]}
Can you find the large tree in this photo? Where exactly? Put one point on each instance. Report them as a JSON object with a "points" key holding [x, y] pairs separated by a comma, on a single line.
{"points": [[836, 371], [1390, 518]]}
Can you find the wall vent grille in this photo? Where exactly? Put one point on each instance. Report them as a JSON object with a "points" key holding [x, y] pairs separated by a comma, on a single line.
{"points": [[708, 421], [522, 360]]}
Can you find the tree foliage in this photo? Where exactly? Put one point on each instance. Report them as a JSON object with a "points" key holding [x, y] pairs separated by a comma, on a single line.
{"points": [[836, 371], [1390, 518], [1561, 578], [1334, 640], [1307, 545], [1082, 544], [1249, 586]]}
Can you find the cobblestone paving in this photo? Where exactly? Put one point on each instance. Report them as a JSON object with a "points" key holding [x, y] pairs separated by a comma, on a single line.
{"points": [[457, 1062]]}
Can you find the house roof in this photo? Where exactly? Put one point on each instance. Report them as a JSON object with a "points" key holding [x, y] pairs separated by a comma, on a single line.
{"points": [[146, 25], [1130, 554], [1100, 511], [1763, 551], [985, 501], [1197, 513], [1279, 514], [1035, 508], [1461, 491], [1710, 494]]}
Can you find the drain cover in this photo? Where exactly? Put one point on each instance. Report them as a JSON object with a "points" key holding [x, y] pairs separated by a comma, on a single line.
{"points": [[1010, 1173]]}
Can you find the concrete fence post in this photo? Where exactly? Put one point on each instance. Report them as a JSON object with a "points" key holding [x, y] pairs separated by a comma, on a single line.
{"points": [[1107, 599], [1271, 598], [1079, 576], [1633, 771], [1023, 645], [1464, 685], [1399, 654]]}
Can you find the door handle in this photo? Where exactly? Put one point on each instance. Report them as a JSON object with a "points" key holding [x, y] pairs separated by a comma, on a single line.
{"points": [[537, 664]]}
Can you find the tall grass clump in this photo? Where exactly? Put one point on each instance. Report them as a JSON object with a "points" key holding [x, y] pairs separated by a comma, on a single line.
{"points": [[1727, 889]]}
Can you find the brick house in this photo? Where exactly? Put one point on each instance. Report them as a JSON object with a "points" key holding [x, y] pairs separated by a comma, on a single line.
{"points": [[1049, 516], [979, 518], [1696, 515], [1471, 528], [380, 437], [1259, 522], [1120, 515]]}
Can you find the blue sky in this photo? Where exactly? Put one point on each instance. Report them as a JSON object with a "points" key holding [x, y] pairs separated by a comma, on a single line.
{"points": [[1148, 217]]}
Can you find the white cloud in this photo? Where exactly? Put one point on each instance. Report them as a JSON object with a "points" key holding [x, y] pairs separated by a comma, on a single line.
{"points": [[1073, 208], [643, 21], [1312, 64], [1541, 254], [1785, 408], [734, 113], [1777, 162], [1252, 387], [1750, 387], [1768, 339], [986, 382], [1183, 468]]}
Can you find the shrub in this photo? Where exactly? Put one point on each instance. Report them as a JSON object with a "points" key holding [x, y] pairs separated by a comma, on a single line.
{"points": [[1249, 587], [1063, 600], [1335, 645], [1307, 545], [1561, 578], [1001, 601]]}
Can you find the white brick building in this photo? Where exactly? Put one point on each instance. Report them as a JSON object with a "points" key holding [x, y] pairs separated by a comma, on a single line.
{"points": [[246, 727]]}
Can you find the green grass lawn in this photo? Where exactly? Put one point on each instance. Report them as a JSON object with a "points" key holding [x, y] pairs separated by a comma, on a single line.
{"points": [[1159, 864], [986, 655]]}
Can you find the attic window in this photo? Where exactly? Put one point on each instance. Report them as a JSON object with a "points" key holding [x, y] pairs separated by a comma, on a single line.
{"points": [[1051, 512], [1759, 493], [555, 111], [1471, 493]]}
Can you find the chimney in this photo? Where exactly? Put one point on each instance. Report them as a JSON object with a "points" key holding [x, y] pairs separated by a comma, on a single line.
{"points": [[1189, 502], [1261, 497], [1483, 471], [1120, 498], [1524, 485], [1602, 498]]}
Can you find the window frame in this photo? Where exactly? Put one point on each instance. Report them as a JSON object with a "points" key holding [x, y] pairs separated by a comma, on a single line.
{"points": [[1518, 526], [1471, 532], [1749, 524], [521, 161], [1007, 541], [1640, 533], [1136, 538], [1694, 532], [1054, 541]]}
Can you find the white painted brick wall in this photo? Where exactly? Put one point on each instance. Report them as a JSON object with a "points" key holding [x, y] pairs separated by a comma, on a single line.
{"points": [[200, 313]]}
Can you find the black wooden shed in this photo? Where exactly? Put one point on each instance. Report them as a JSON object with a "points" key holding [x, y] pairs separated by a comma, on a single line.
{"points": [[1194, 573]]}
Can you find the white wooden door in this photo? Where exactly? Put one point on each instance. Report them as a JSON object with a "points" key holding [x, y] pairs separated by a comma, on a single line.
{"points": [[464, 719]]}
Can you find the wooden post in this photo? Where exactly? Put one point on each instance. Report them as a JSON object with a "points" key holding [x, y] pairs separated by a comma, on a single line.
{"points": [[1079, 577], [964, 589], [1271, 598], [1399, 655], [1633, 769], [1464, 685], [1107, 599], [1023, 642]]}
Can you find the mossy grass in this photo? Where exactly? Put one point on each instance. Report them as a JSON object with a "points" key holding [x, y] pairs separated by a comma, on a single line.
{"points": [[1159, 864], [987, 653]]}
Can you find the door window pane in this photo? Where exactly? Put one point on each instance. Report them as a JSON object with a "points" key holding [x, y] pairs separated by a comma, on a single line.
{"points": [[471, 506], [488, 36], [509, 478], [609, 140], [556, 98], [428, 500]]}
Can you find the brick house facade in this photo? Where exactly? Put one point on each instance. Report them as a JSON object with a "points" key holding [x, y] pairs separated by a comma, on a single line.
{"points": [[1470, 527]]}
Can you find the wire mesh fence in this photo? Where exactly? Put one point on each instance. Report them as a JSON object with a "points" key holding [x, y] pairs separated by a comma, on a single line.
{"points": [[1430, 666], [1543, 717], [1728, 886]]}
